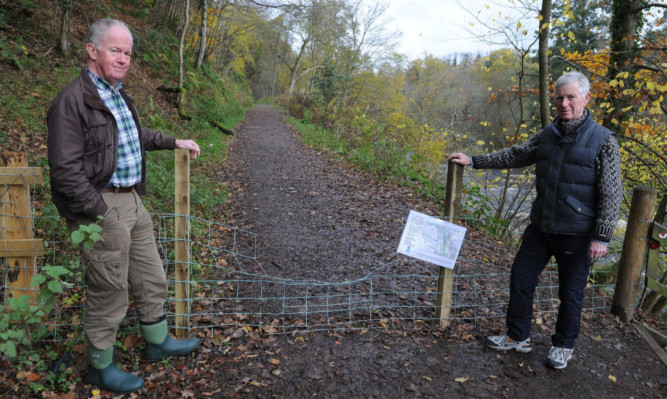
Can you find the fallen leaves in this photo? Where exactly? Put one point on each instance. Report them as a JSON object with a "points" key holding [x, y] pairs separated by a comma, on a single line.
{"points": [[28, 375]]}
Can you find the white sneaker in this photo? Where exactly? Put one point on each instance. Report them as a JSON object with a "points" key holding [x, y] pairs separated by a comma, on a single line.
{"points": [[505, 343], [558, 357]]}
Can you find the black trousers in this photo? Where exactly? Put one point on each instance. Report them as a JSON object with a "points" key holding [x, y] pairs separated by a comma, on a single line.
{"points": [[571, 254]]}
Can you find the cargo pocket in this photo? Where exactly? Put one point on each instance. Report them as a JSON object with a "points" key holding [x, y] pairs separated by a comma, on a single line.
{"points": [[104, 270]]}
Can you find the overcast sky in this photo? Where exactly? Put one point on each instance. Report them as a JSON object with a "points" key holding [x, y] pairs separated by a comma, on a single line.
{"points": [[436, 27]]}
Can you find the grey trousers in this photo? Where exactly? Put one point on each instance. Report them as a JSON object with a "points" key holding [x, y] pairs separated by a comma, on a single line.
{"points": [[128, 254]]}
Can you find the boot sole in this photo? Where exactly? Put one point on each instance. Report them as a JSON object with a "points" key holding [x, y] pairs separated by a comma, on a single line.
{"points": [[114, 391], [519, 349]]}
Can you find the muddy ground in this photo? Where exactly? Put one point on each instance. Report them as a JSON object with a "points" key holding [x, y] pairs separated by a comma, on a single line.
{"points": [[321, 218]]}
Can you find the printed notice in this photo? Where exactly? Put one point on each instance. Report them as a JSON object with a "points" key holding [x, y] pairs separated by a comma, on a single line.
{"points": [[431, 239]]}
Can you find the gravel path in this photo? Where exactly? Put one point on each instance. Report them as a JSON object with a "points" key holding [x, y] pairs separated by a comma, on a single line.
{"points": [[319, 218]]}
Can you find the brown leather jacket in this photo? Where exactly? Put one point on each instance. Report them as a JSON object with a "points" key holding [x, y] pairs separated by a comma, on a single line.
{"points": [[83, 148]]}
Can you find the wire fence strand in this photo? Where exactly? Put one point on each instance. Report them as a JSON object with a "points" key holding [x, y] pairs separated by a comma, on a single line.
{"points": [[230, 289]]}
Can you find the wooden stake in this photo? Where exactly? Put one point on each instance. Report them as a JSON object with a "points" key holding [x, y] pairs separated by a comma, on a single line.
{"points": [[453, 194], [182, 233]]}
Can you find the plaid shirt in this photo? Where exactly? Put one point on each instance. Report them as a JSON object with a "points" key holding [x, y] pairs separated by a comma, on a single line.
{"points": [[128, 168]]}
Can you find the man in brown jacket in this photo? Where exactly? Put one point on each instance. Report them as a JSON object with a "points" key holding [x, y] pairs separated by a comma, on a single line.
{"points": [[97, 157]]}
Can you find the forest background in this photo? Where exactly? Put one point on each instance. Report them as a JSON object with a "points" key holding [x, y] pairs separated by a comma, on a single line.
{"points": [[198, 65]]}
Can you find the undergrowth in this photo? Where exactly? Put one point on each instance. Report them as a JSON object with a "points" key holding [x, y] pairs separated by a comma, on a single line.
{"points": [[32, 73]]}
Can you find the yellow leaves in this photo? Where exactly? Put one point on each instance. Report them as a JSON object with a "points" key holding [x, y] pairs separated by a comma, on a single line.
{"points": [[480, 142], [597, 338], [518, 26], [571, 37], [612, 378]]}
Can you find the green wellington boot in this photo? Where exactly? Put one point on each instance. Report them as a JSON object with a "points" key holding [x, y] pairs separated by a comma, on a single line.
{"points": [[160, 345], [104, 373]]}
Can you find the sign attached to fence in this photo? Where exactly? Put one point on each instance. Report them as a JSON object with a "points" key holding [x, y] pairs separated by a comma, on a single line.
{"points": [[431, 239]]}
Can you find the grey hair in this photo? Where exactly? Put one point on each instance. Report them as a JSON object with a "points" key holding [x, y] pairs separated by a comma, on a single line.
{"points": [[572, 77], [100, 28]]}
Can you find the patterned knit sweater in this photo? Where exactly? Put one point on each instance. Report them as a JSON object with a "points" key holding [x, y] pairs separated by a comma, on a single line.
{"points": [[609, 185]]}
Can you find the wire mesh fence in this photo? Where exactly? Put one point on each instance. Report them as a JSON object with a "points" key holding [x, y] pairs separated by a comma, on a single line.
{"points": [[230, 288]]}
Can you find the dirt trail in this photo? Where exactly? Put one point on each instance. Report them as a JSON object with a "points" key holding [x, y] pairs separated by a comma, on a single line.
{"points": [[321, 219]]}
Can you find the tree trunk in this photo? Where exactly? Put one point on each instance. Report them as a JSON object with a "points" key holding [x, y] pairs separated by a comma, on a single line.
{"points": [[181, 93], [545, 13], [226, 37], [275, 66], [202, 34], [625, 22], [65, 27], [295, 69], [172, 10]]}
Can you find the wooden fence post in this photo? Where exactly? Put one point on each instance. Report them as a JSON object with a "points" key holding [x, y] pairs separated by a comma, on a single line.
{"points": [[182, 236], [633, 255], [17, 242], [454, 190]]}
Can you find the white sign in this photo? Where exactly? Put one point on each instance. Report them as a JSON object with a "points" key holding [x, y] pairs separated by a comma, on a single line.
{"points": [[431, 239]]}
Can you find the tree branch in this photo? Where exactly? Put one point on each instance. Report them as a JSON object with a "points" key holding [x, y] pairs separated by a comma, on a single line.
{"points": [[651, 5]]}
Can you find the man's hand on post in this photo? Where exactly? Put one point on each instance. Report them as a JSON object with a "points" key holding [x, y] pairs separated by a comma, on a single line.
{"points": [[189, 145], [459, 158]]}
